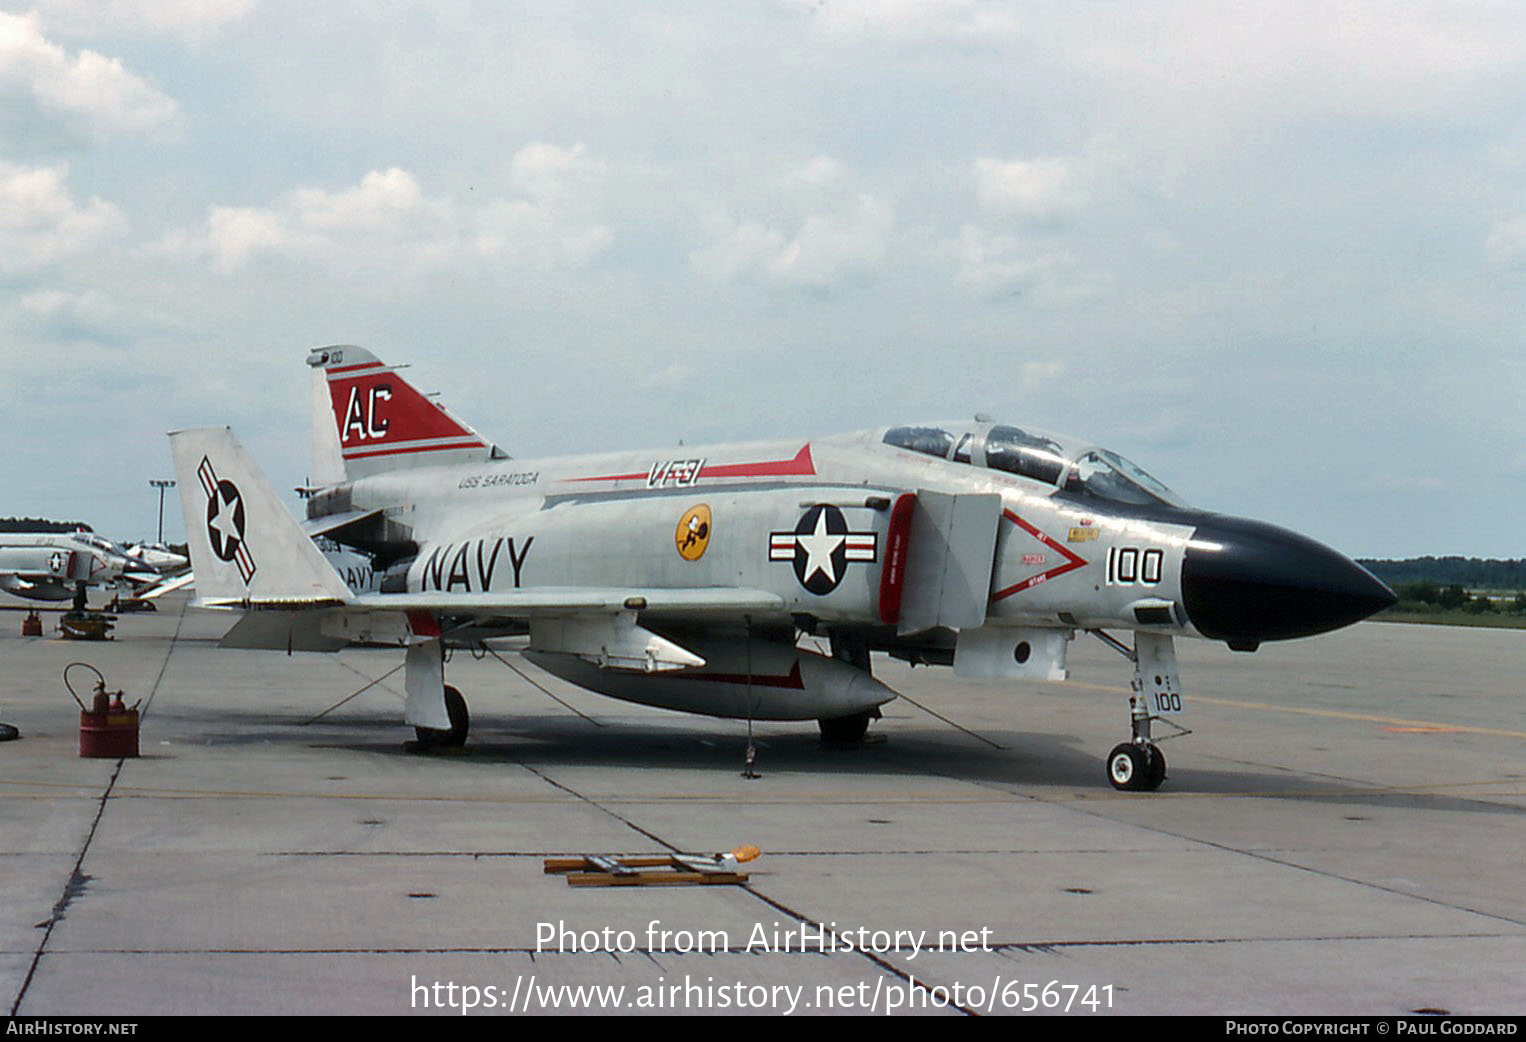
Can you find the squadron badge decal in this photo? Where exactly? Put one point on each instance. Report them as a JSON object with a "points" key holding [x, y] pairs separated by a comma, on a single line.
{"points": [[693, 534], [821, 548], [225, 520]]}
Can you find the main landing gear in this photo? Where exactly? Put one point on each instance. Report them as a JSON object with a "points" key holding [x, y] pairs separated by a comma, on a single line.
{"points": [[434, 708], [460, 723], [849, 730], [1138, 765]]}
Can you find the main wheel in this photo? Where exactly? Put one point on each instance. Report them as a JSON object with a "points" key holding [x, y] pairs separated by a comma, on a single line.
{"points": [[460, 723], [845, 730]]}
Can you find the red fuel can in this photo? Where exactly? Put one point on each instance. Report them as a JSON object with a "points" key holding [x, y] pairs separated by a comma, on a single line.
{"points": [[109, 735]]}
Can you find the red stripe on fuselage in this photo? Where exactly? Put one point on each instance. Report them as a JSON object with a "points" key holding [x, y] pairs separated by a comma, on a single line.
{"points": [[800, 464]]}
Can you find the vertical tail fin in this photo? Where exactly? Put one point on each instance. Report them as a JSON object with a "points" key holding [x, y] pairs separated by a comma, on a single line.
{"points": [[382, 422], [245, 545]]}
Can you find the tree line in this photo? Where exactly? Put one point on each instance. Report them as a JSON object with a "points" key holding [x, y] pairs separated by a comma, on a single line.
{"points": [[1454, 583], [40, 524], [1473, 573]]}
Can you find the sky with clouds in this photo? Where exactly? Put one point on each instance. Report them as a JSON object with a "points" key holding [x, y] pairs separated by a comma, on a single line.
{"points": [[1274, 253]]}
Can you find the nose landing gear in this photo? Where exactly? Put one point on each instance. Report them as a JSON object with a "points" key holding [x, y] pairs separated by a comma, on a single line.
{"points": [[1138, 765]]}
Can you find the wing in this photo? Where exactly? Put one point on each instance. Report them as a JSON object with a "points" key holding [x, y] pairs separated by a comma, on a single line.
{"points": [[249, 553]]}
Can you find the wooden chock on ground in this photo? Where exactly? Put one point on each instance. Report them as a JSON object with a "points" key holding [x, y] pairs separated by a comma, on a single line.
{"points": [[655, 870]]}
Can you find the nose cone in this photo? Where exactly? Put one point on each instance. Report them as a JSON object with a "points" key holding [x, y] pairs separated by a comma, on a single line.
{"points": [[1245, 582]]}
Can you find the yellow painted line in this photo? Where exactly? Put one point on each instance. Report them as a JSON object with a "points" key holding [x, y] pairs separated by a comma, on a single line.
{"points": [[1481, 788], [624, 798], [1469, 789], [1413, 726], [1391, 721]]}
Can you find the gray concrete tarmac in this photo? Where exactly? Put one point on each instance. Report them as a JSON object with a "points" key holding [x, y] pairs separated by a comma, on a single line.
{"points": [[1343, 833]]}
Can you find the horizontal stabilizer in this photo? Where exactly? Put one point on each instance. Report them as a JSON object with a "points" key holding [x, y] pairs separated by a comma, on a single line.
{"points": [[180, 582], [334, 525], [280, 631]]}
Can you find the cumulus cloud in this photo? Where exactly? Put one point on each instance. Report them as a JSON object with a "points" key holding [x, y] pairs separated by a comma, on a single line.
{"points": [[817, 172], [553, 219], [88, 86], [387, 220], [185, 19], [912, 19], [1042, 188], [1261, 62], [995, 263], [1506, 243], [386, 210], [552, 172], [41, 223], [1034, 375], [533, 236], [822, 230], [826, 248], [50, 303]]}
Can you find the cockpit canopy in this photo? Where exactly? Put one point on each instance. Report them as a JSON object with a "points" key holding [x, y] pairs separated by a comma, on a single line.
{"points": [[1053, 460], [105, 546]]}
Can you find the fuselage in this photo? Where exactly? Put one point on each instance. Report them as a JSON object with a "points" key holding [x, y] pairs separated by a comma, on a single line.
{"points": [[1083, 539]]}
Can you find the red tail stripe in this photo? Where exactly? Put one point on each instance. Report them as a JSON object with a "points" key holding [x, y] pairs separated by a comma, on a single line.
{"points": [[423, 448]]}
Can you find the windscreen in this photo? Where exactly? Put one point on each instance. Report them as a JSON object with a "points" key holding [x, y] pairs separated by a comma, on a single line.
{"points": [[1109, 476]]}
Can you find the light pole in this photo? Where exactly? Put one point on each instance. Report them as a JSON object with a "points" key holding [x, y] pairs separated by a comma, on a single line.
{"points": [[161, 484]]}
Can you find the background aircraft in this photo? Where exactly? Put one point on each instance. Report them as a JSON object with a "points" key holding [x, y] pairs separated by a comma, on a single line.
{"points": [[58, 566], [685, 579]]}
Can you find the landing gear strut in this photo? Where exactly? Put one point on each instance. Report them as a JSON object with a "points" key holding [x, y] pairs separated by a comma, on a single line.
{"points": [[1138, 765], [460, 723]]}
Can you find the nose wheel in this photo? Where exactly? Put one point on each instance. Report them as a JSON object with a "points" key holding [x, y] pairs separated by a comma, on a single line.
{"points": [[1136, 767]]}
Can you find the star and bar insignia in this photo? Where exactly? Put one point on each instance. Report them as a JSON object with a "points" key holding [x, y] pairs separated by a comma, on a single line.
{"points": [[225, 520], [821, 547]]}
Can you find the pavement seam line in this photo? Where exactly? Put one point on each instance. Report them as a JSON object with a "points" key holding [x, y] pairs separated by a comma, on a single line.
{"points": [[883, 964], [76, 878], [74, 885]]}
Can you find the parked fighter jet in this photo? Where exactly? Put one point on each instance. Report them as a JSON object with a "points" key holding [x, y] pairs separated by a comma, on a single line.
{"points": [[58, 566], [685, 579]]}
